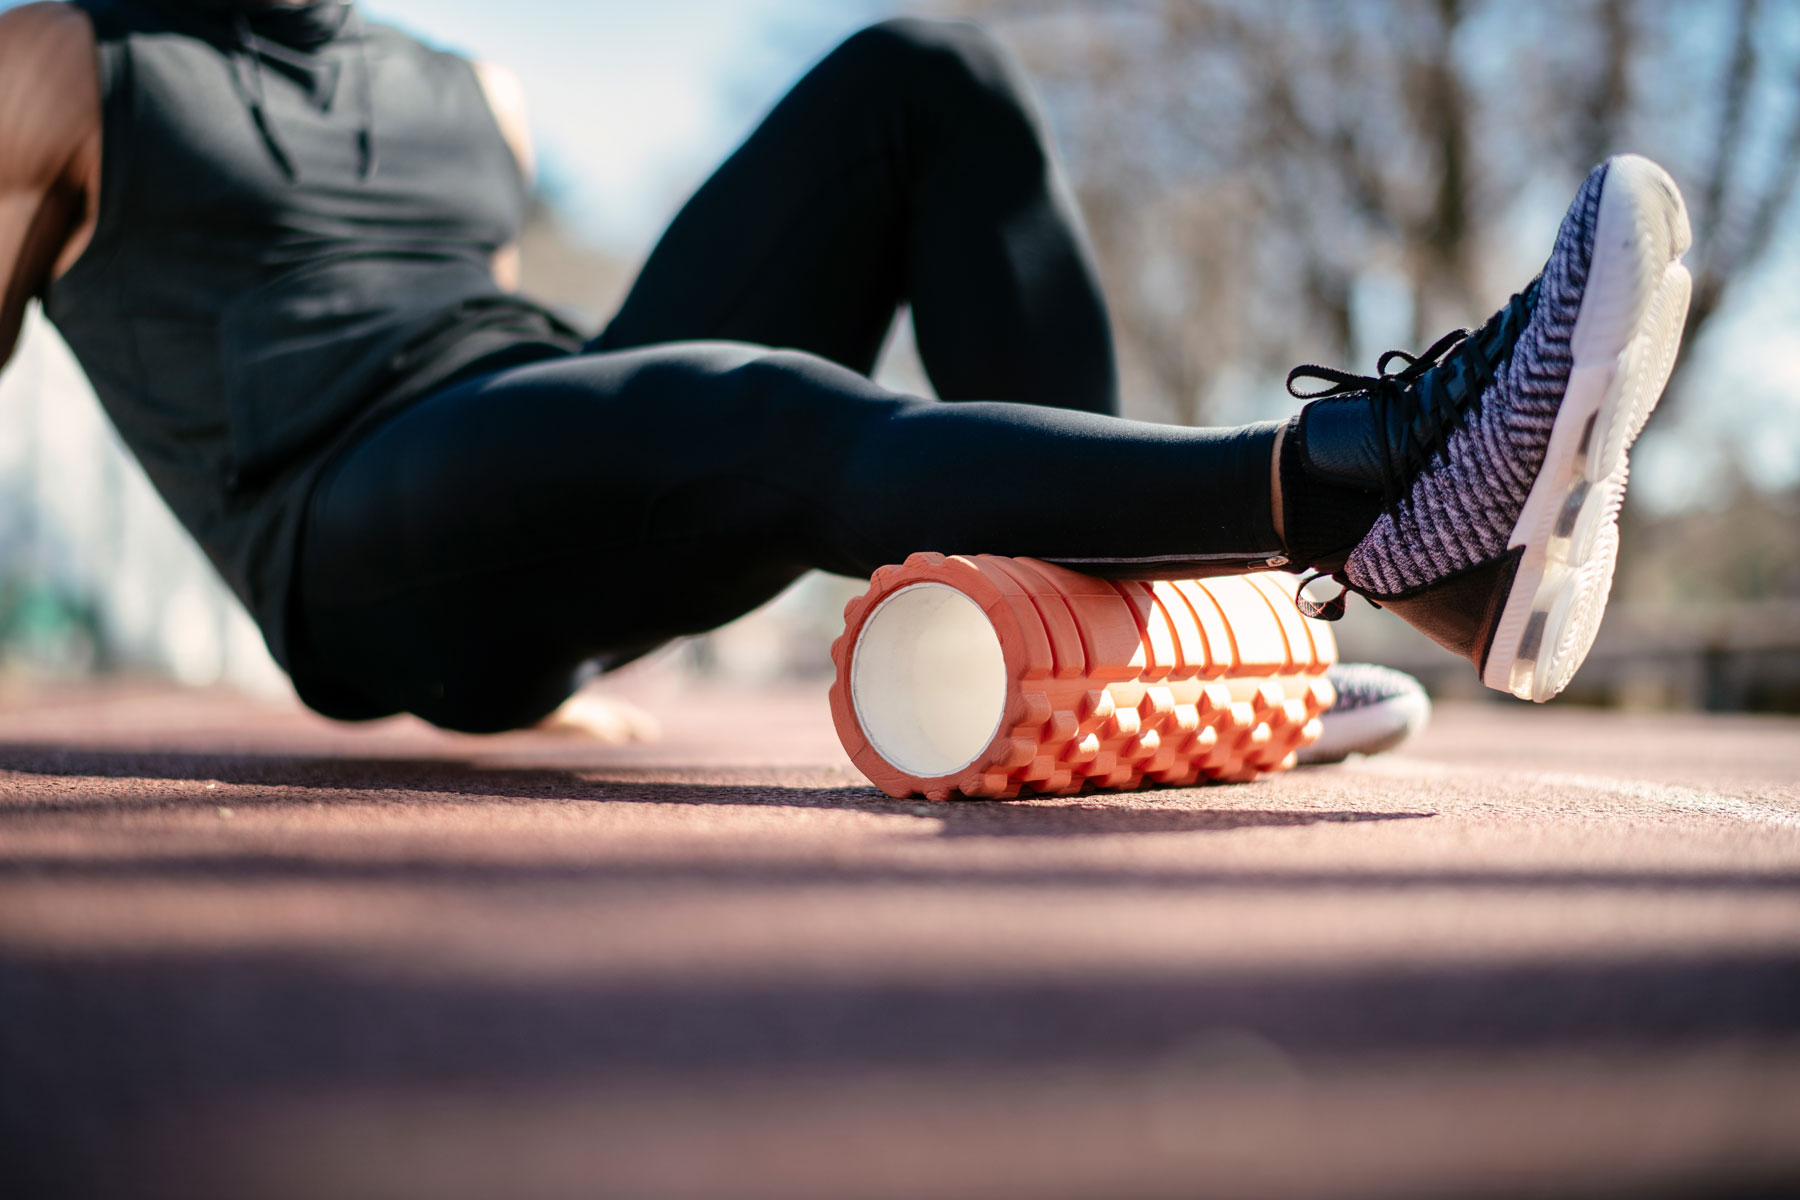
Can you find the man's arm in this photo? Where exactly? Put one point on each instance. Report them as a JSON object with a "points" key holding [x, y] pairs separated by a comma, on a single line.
{"points": [[506, 96], [49, 151]]}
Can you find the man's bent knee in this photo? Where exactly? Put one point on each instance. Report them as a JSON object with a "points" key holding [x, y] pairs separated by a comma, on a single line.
{"points": [[958, 62]]}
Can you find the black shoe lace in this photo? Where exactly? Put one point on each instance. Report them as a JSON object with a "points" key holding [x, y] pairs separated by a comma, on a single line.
{"points": [[1324, 610], [1421, 402]]}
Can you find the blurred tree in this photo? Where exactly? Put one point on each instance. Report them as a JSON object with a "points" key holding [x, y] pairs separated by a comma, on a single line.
{"points": [[1740, 214], [1742, 549], [1246, 166]]}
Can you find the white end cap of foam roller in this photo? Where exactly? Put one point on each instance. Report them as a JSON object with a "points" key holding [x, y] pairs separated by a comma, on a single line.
{"points": [[928, 680]]}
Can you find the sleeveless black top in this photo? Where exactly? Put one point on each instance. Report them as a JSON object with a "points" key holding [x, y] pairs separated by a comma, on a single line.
{"points": [[297, 215]]}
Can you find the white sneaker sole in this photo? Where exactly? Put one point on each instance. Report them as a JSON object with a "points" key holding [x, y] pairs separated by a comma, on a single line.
{"points": [[1626, 334]]}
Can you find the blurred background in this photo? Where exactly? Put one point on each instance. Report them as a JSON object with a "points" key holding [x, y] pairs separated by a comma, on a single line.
{"points": [[1266, 182]]}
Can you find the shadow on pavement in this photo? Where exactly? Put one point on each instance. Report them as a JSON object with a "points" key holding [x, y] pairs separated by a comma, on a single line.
{"points": [[446, 780], [94, 1049], [97, 1046]]}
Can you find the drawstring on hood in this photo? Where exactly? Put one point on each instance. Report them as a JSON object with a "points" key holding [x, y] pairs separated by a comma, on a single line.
{"points": [[365, 137], [289, 36], [246, 48]]}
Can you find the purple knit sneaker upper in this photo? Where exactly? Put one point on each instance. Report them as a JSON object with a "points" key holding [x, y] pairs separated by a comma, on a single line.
{"points": [[1463, 504], [1362, 685]]}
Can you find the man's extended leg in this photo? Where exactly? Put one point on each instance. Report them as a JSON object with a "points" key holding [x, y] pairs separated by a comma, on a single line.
{"points": [[466, 557], [909, 166]]}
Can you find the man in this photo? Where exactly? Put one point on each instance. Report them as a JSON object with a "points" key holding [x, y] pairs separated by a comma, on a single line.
{"points": [[276, 236]]}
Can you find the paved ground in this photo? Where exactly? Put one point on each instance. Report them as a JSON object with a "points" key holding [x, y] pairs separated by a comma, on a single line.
{"points": [[245, 953]]}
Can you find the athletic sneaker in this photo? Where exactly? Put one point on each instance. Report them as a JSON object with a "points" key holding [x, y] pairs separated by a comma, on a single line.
{"points": [[1376, 709], [1476, 490]]}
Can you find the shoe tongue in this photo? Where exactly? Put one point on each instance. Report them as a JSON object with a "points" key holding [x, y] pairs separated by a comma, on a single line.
{"points": [[1450, 387], [1342, 442], [1491, 340], [1349, 443]]}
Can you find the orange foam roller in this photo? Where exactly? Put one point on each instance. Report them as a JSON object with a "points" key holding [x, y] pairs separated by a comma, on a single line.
{"points": [[983, 676]]}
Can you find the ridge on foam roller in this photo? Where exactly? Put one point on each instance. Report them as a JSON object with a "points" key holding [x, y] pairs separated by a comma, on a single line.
{"points": [[983, 676]]}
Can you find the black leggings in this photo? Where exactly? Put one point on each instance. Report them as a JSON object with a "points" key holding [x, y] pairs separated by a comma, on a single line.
{"points": [[469, 559]]}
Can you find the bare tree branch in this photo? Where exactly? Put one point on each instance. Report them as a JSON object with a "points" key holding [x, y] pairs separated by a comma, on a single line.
{"points": [[1246, 165], [1611, 98], [1739, 71]]}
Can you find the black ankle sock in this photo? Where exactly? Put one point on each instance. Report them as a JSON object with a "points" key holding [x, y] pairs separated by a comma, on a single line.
{"points": [[1322, 521]]}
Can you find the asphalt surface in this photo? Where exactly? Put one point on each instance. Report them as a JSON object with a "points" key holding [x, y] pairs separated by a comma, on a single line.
{"points": [[248, 953]]}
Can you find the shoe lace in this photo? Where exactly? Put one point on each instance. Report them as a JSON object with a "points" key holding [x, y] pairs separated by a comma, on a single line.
{"points": [[1424, 399]]}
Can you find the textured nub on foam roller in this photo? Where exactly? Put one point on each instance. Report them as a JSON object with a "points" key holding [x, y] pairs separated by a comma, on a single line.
{"points": [[985, 676]]}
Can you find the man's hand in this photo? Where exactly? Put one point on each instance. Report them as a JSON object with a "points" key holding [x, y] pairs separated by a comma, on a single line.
{"points": [[506, 97], [49, 151]]}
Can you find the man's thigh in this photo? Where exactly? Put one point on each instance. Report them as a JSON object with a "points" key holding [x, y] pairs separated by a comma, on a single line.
{"points": [[475, 549], [553, 459]]}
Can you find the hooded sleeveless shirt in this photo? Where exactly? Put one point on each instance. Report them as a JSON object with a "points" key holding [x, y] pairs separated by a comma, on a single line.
{"points": [[298, 210]]}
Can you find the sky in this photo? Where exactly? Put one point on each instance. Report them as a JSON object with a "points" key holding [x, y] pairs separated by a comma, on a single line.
{"points": [[634, 103]]}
